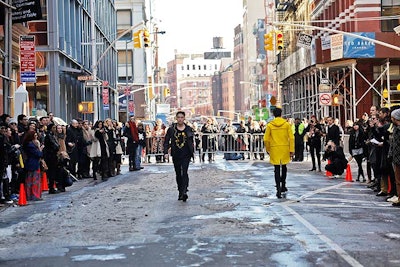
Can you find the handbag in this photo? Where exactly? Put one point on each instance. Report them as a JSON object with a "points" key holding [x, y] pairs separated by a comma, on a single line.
{"points": [[43, 165]]}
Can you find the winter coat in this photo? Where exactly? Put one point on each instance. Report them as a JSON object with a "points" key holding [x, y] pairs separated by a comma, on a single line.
{"points": [[33, 155], [51, 148], [279, 141], [394, 152], [357, 140], [170, 141]]}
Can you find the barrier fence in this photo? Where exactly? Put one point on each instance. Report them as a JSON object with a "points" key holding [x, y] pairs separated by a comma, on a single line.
{"points": [[232, 146]]}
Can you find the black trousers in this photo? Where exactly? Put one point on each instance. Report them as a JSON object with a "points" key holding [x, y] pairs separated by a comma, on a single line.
{"points": [[315, 152], [280, 178], [181, 166]]}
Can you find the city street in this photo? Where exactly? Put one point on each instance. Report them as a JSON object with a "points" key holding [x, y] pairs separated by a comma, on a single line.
{"points": [[232, 218]]}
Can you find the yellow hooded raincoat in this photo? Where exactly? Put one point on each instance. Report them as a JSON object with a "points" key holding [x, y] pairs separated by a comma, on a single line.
{"points": [[279, 141]]}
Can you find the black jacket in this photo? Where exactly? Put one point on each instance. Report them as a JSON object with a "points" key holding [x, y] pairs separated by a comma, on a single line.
{"points": [[170, 140]]}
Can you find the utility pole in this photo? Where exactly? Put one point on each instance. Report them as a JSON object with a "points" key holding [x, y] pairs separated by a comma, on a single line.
{"points": [[94, 60]]}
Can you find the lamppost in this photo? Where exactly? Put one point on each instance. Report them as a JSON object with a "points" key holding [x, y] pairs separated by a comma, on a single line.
{"points": [[258, 85], [126, 76]]}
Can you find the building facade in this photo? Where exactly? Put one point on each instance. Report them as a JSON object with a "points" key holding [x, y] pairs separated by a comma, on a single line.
{"points": [[132, 71], [347, 64], [71, 40]]}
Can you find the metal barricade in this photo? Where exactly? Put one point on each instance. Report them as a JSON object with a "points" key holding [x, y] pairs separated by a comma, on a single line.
{"points": [[245, 144]]}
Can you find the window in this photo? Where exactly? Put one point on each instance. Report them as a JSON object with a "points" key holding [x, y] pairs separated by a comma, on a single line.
{"points": [[187, 67], [194, 67], [124, 57], [390, 8], [124, 22]]}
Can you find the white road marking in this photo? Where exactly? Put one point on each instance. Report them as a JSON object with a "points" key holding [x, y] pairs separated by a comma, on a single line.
{"points": [[324, 238]]}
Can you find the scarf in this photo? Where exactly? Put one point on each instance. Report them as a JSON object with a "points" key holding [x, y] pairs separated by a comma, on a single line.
{"points": [[134, 131]]}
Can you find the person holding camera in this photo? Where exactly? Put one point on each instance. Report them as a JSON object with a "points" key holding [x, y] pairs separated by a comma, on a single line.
{"points": [[314, 132], [338, 161]]}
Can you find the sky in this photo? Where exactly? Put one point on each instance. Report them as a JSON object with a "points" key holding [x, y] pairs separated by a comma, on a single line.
{"points": [[190, 25]]}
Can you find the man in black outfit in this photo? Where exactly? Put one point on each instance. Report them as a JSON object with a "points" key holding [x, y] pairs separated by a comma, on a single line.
{"points": [[332, 132], [179, 139], [338, 161]]}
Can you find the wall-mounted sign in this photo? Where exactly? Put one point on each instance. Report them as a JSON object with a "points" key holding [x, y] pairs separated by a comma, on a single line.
{"points": [[27, 58]]}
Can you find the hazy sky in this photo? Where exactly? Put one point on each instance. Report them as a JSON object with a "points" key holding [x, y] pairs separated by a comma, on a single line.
{"points": [[190, 25]]}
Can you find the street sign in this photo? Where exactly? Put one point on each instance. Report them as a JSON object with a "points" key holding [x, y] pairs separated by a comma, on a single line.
{"points": [[85, 78], [304, 40], [324, 88], [127, 92], [325, 99], [27, 58], [131, 107], [92, 83], [106, 105]]}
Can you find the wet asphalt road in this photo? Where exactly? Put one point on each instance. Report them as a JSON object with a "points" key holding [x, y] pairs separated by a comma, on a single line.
{"points": [[319, 222]]}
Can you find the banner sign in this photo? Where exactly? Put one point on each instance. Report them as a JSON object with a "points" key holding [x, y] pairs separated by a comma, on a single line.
{"points": [[27, 58], [106, 105], [26, 10], [336, 46], [358, 48], [131, 108], [325, 42]]}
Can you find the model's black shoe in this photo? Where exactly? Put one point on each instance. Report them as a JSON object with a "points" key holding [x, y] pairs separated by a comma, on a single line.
{"points": [[313, 169], [184, 197], [284, 189], [180, 197], [278, 195]]}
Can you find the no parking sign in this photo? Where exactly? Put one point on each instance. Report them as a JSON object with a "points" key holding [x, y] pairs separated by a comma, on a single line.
{"points": [[325, 99]]}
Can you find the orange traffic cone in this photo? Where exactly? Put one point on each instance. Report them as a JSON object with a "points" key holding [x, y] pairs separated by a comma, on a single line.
{"points": [[22, 195], [45, 186], [349, 176], [328, 173]]}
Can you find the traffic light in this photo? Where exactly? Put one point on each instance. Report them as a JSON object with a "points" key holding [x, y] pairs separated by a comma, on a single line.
{"points": [[146, 39], [336, 100], [137, 39], [167, 92], [268, 41], [279, 40], [85, 107]]}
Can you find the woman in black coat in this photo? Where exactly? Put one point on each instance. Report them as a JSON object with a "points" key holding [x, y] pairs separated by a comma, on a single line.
{"points": [[50, 151], [357, 147]]}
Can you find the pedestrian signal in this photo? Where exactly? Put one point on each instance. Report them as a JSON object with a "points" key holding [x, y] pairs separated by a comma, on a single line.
{"points": [[279, 40], [137, 39], [86, 107], [167, 92], [146, 38], [268, 41]]}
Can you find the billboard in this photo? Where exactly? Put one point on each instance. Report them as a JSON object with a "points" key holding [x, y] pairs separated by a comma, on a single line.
{"points": [[359, 48]]}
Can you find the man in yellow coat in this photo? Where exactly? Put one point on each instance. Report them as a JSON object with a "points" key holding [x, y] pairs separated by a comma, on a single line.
{"points": [[279, 143]]}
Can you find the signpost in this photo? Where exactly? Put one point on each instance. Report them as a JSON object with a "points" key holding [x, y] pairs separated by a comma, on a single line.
{"points": [[92, 83], [325, 99], [131, 108], [106, 105], [27, 59]]}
